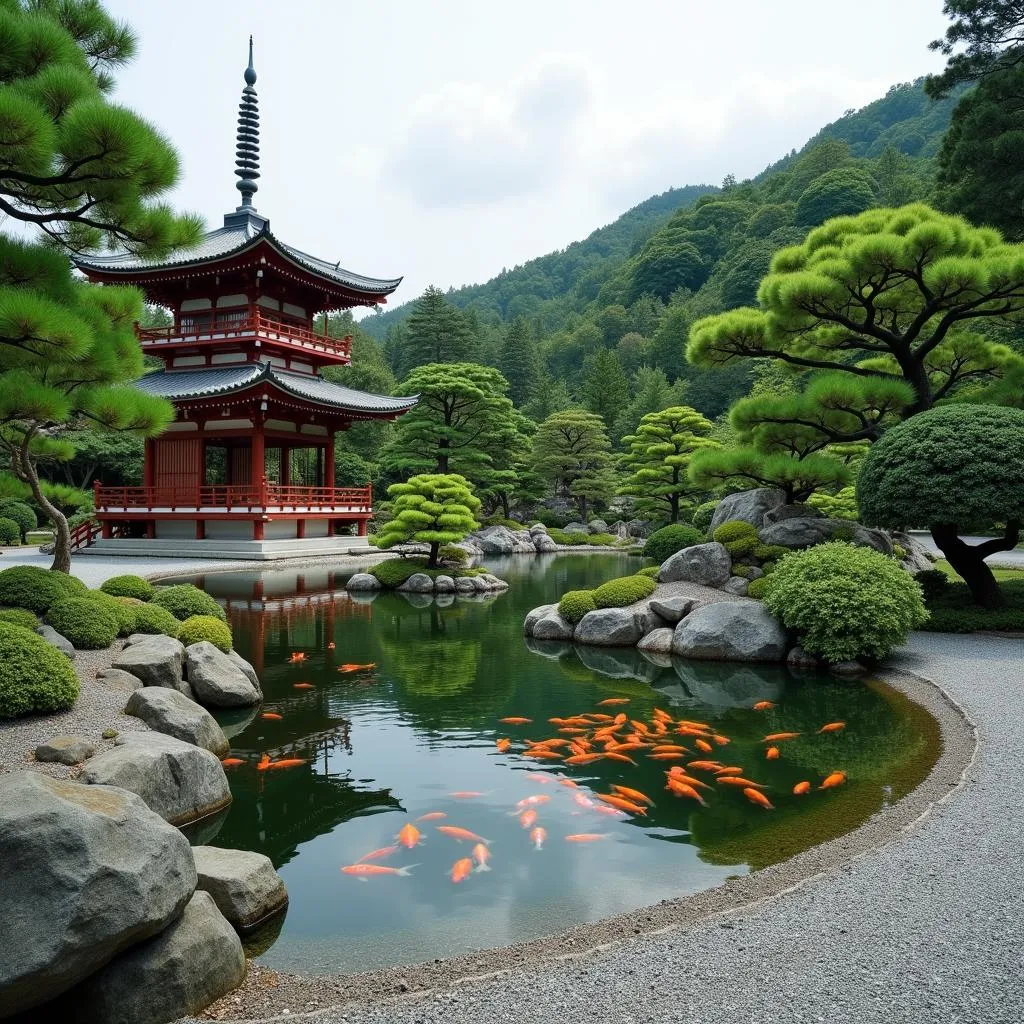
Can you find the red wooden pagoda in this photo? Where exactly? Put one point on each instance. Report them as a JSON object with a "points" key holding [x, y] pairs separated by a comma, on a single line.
{"points": [[241, 366]]}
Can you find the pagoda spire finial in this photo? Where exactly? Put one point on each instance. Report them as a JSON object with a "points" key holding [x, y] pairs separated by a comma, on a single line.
{"points": [[247, 141]]}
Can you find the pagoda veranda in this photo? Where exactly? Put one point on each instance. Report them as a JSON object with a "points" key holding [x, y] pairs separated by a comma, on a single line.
{"points": [[241, 365]]}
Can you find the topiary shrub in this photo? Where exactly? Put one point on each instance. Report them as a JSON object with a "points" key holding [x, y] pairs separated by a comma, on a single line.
{"points": [[734, 530], [845, 602], [19, 617], [933, 583], [28, 586], [623, 591], [575, 604], [651, 571], [10, 533], [151, 618], [756, 588], [184, 600], [123, 614], [703, 514], [664, 543], [128, 586], [21, 513], [35, 678], [205, 627], [84, 622]]}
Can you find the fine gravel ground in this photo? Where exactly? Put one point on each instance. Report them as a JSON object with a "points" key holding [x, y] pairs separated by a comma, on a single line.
{"points": [[915, 918]]}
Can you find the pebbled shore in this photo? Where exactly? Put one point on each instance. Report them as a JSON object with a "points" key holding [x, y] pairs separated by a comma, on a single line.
{"points": [[913, 917]]}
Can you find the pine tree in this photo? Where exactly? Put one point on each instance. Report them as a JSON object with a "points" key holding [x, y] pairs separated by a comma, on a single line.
{"points": [[437, 332], [520, 362], [605, 386], [572, 452]]}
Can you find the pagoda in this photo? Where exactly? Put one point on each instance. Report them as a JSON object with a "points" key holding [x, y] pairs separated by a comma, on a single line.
{"points": [[246, 469]]}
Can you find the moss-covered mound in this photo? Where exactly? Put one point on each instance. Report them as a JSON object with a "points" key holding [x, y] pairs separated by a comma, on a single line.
{"points": [[184, 600], [129, 586], [575, 604], [123, 613], [151, 618], [664, 543], [28, 586], [395, 571], [35, 678], [205, 627], [84, 622], [623, 591]]}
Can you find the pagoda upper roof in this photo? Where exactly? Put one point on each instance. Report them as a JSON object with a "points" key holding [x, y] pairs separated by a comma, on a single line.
{"points": [[243, 230], [205, 383]]}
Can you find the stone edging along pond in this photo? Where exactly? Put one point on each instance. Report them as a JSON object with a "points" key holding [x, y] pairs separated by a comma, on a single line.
{"points": [[267, 993]]}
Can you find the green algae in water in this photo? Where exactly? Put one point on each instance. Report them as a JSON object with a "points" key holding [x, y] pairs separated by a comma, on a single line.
{"points": [[387, 744]]}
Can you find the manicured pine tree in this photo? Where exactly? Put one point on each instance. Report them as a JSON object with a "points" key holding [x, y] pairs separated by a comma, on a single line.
{"points": [[572, 452]]}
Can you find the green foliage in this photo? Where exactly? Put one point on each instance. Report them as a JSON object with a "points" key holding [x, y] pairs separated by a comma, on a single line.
{"points": [[845, 602], [837, 193], [735, 529], [28, 586], [205, 627], [572, 451], [183, 600], [953, 610], [124, 614], [933, 583], [84, 622], [576, 538], [128, 586], [841, 505], [756, 588], [151, 618], [703, 514], [35, 678], [747, 468], [437, 332], [768, 552], [10, 533], [21, 513], [605, 389], [395, 571], [650, 571], [984, 38], [19, 617], [658, 456], [575, 604], [664, 543], [435, 509], [449, 554], [625, 590]]}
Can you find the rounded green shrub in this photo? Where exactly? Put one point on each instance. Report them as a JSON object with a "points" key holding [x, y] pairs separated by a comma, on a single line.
{"points": [[703, 514], [35, 678], [933, 582], [625, 590], [19, 617], [664, 543], [128, 586], [28, 586], [769, 552], [650, 571], [21, 513], [84, 622], [124, 614], [738, 537], [10, 532], [575, 604], [184, 600], [756, 588], [151, 618], [205, 627], [845, 602]]}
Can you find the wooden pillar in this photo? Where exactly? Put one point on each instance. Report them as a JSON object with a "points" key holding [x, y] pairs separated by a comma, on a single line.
{"points": [[148, 463], [329, 462], [286, 465], [362, 528], [200, 529], [257, 529], [150, 529], [105, 529], [258, 468], [300, 528]]}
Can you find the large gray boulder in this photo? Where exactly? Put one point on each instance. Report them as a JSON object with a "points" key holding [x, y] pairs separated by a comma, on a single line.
{"points": [[672, 609], [247, 669], [465, 585], [553, 627], [748, 506], [178, 973], [736, 585], [607, 627], [533, 616], [658, 641], [362, 581], [66, 750], [118, 679], [179, 781], [51, 636], [731, 631], [87, 872], [418, 583], [244, 885], [157, 660], [597, 526], [706, 564], [444, 585], [500, 540], [576, 528], [544, 544], [797, 511], [918, 558], [216, 680], [806, 532], [173, 713]]}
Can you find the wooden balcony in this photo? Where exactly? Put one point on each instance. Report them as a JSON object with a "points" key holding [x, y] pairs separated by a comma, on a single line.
{"points": [[219, 501], [225, 327]]}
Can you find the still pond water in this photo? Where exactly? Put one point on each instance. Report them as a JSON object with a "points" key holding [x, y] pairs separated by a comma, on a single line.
{"points": [[386, 744]]}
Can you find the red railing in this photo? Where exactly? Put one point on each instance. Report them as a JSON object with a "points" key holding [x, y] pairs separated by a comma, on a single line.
{"points": [[84, 534], [234, 497], [230, 326]]}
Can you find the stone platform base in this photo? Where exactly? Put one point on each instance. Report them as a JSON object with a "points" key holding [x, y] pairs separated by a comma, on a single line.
{"points": [[244, 550]]}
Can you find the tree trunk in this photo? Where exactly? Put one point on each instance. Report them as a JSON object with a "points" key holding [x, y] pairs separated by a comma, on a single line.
{"points": [[503, 498], [673, 505], [582, 506], [443, 456], [969, 560], [432, 557], [27, 473]]}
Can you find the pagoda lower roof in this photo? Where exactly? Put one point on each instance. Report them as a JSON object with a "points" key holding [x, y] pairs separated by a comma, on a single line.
{"points": [[182, 385]]}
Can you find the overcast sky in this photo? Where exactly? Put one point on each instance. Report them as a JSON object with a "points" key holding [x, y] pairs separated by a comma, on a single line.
{"points": [[444, 140]]}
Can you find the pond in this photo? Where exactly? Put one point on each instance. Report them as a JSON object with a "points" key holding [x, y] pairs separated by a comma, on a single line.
{"points": [[395, 710]]}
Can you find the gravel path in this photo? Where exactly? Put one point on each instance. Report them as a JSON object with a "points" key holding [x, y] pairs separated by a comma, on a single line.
{"points": [[928, 927]]}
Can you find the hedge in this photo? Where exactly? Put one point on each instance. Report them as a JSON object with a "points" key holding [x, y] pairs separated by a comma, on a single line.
{"points": [[664, 543], [28, 586], [184, 600], [151, 618], [19, 617], [623, 591], [84, 622], [35, 678], [575, 604], [128, 586], [21, 513], [123, 614], [10, 532], [205, 627]]}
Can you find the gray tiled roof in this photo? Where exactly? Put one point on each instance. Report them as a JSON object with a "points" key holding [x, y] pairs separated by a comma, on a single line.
{"points": [[182, 384], [239, 232]]}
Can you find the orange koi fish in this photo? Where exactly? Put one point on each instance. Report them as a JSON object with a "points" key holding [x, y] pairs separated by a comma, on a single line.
{"points": [[515, 721], [612, 701], [481, 855], [620, 719], [302, 686], [543, 754], [586, 837], [682, 789], [357, 668], [528, 818], [264, 763], [384, 851], [663, 715], [466, 794], [738, 780], [668, 756], [598, 717], [362, 871], [288, 762], [720, 739], [583, 800], [622, 748], [297, 656], [611, 812], [462, 834], [272, 716], [548, 744], [703, 746], [802, 787], [776, 737], [757, 797], [539, 777], [833, 727], [621, 803], [704, 766], [763, 705], [583, 758], [668, 748], [409, 836], [503, 745], [331, 645], [730, 770], [633, 794], [680, 776], [568, 783], [537, 837], [573, 730], [833, 780], [612, 756], [232, 762], [432, 816], [772, 753], [532, 801], [462, 869]]}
